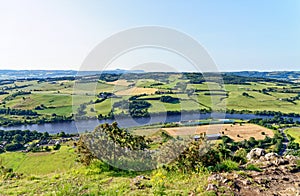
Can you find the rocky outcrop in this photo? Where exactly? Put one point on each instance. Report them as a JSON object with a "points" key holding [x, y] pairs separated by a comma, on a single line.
{"points": [[278, 175]]}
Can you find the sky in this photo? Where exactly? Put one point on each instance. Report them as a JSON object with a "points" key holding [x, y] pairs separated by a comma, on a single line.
{"points": [[238, 35]]}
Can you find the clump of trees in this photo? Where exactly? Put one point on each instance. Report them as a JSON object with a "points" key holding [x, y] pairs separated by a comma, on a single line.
{"points": [[169, 99], [139, 108], [3, 93], [105, 95], [18, 112], [15, 139], [277, 119], [245, 94], [136, 108]]}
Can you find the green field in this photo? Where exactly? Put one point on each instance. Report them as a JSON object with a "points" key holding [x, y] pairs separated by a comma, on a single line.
{"points": [[38, 163], [295, 133]]}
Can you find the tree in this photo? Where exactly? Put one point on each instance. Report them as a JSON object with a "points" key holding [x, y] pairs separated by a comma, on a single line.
{"points": [[62, 134], [18, 138], [46, 135]]}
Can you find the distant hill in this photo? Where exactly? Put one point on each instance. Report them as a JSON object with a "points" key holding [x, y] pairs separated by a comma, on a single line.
{"points": [[291, 76], [23, 74], [278, 75]]}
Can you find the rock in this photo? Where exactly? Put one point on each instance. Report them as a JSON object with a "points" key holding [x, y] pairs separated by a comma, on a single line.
{"points": [[280, 161], [255, 153], [225, 180], [142, 177], [261, 180], [215, 177], [137, 182], [262, 158], [246, 182], [236, 176], [271, 156], [211, 187], [291, 158], [285, 178], [294, 168]]}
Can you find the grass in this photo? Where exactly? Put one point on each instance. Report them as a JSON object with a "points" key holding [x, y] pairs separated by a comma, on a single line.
{"points": [[253, 167], [295, 133], [227, 165], [40, 163], [259, 102], [57, 174]]}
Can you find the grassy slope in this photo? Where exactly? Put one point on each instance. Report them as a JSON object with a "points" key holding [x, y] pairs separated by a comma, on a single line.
{"points": [[59, 174]]}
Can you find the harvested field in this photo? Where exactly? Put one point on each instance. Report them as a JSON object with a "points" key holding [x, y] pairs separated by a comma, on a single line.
{"points": [[136, 91], [236, 132], [120, 83]]}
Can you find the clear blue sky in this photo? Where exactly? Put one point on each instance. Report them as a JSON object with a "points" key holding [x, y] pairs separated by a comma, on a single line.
{"points": [[239, 35]]}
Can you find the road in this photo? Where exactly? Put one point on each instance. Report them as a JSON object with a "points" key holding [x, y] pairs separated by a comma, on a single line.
{"points": [[284, 143]]}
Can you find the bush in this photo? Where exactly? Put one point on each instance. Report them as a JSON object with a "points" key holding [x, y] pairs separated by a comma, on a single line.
{"points": [[240, 156], [56, 147]]}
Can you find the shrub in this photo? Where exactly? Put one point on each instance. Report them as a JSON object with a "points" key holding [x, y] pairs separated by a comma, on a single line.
{"points": [[240, 155], [56, 147]]}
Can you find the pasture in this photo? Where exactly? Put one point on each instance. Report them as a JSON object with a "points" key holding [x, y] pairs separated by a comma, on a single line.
{"points": [[38, 163]]}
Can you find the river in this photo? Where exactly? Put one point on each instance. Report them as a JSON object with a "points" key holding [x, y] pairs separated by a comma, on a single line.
{"points": [[89, 125]]}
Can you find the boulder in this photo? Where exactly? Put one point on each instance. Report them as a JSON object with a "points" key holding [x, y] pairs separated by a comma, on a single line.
{"points": [[256, 153], [271, 156]]}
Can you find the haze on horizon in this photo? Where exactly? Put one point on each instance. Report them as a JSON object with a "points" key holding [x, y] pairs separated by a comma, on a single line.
{"points": [[239, 35]]}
